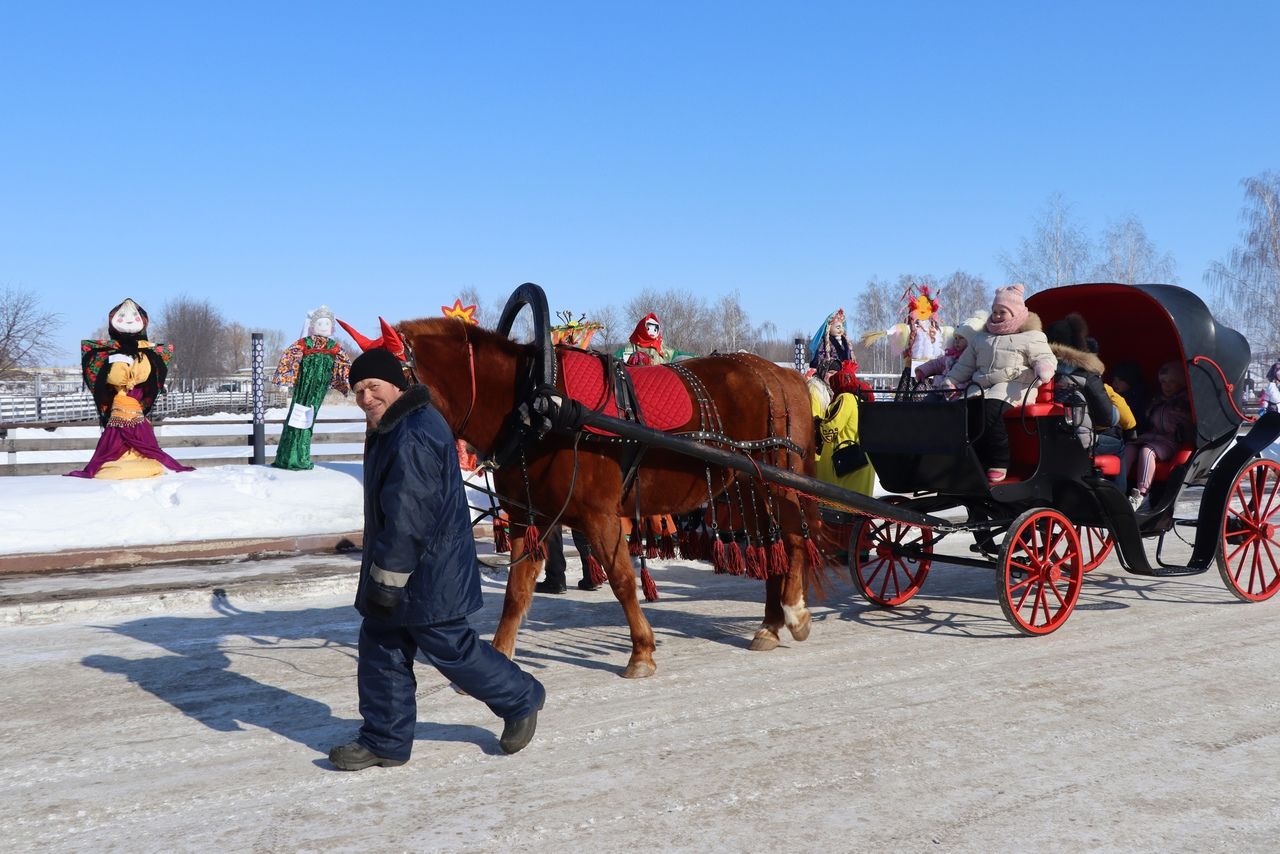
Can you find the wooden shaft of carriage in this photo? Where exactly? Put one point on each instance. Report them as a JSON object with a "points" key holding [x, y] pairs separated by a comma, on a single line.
{"points": [[570, 415]]}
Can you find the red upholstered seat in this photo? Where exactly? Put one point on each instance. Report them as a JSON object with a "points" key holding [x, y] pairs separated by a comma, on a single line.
{"points": [[1042, 406], [1109, 465]]}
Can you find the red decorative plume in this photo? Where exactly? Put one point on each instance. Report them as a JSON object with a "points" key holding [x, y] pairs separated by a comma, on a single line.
{"points": [[390, 339]]}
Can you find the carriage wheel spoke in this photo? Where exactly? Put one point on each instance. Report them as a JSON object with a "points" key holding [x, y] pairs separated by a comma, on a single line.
{"points": [[1271, 499]]}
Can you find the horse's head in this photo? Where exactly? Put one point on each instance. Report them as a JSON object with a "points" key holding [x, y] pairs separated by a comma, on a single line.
{"points": [[471, 372]]}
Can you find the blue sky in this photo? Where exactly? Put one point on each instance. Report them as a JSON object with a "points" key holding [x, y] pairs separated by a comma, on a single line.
{"points": [[379, 157]]}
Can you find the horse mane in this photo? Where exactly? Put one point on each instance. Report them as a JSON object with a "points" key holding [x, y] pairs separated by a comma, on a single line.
{"points": [[480, 336]]}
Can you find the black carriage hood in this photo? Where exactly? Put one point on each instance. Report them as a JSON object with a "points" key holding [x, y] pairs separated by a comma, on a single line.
{"points": [[1153, 324]]}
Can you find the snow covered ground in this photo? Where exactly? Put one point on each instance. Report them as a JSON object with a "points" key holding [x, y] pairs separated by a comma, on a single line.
{"points": [[56, 513], [1147, 723]]}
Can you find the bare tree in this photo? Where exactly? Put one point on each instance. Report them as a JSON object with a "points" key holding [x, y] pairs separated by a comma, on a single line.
{"points": [[196, 330], [875, 312], [1248, 284], [1056, 254], [275, 341], [683, 315], [962, 295], [1128, 256], [731, 328], [239, 345], [26, 331], [609, 338]]}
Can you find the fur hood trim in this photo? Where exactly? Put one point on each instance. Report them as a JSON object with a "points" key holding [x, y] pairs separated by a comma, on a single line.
{"points": [[1078, 358], [415, 397]]}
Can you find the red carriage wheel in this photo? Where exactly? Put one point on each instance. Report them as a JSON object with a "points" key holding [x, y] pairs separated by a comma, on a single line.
{"points": [[1249, 545], [889, 560], [1040, 571], [1095, 545]]}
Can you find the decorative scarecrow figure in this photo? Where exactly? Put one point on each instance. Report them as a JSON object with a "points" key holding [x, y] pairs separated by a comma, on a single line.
{"points": [[574, 333], [646, 346], [126, 373], [922, 337], [312, 365], [830, 344]]}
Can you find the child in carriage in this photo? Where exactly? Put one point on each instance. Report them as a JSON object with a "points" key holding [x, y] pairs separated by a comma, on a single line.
{"points": [[1168, 428], [1005, 359], [939, 367]]}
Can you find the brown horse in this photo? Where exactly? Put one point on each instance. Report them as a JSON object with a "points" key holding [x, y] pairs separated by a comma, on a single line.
{"points": [[474, 374]]}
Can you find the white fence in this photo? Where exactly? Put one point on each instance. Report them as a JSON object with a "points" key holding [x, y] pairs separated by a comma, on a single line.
{"points": [[42, 401]]}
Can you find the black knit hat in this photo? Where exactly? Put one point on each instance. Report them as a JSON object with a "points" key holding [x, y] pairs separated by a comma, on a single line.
{"points": [[378, 364], [1070, 330]]}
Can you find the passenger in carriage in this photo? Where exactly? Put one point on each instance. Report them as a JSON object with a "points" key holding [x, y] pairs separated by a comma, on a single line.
{"points": [[1126, 378], [1078, 379], [939, 367], [1005, 360], [1168, 428]]}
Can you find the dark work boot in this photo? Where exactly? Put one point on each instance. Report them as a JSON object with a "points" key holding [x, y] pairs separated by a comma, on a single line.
{"points": [[550, 587], [518, 732], [356, 757]]}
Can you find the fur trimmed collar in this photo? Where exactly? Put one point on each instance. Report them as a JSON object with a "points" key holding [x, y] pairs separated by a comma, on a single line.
{"points": [[415, 396], [1078, 358], [1032, 323]]}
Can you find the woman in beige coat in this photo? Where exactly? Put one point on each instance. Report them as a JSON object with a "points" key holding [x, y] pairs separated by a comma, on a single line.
{"points": [[1005, 359]]}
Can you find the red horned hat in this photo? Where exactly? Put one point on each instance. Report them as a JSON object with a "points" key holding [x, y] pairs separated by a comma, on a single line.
{"points": [[390, 339]]}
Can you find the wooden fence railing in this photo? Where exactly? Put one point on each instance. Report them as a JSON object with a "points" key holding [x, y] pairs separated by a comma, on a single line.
{"points": [[36, 450]]}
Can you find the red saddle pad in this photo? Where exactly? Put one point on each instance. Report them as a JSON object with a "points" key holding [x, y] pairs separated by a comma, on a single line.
{"points": [[665, 403]]}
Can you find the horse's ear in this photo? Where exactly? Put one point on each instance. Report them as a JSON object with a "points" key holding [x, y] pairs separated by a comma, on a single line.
{"points": [[363, 343], [391, 340]]}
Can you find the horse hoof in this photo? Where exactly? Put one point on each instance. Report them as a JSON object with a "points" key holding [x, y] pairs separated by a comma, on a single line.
{"points": [[800, 631], [639, 670], [764, 641]]}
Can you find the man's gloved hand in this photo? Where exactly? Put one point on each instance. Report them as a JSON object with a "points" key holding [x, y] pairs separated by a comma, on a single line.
{"points": [[382, 600]]}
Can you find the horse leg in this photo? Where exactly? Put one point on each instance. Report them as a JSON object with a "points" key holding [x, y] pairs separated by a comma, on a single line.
{"points": [[610, 545], [784, 594], [515, 604], [767, 635]]}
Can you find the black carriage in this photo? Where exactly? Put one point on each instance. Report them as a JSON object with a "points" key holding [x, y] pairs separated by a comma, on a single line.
{"points": [[1058, 513]]}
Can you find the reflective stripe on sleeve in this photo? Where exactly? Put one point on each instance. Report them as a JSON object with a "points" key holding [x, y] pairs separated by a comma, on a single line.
{"points": [[387, 577]]}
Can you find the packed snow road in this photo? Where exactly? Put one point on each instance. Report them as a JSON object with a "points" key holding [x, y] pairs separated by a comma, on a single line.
{"points": [[1147, 723]]}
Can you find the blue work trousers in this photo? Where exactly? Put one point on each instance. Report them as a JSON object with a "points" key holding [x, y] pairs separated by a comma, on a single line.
{"points": [[388, 686]]}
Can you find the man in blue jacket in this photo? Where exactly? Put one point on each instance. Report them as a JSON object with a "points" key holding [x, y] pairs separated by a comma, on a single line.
{"points": [[419, 577]]}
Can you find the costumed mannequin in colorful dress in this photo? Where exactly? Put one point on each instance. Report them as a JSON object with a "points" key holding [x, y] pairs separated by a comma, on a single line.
{"points": [[646, 346], [830, 343], [922, 337], [125, 374], [313, 364]]}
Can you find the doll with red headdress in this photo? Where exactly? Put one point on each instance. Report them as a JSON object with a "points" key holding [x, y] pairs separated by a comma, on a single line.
{"points": [[126, 373], [646, 347]]}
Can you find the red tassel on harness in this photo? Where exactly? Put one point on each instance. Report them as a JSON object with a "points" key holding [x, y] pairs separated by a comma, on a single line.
{"points": [[648, 585], [719, 559], [682, 545], [667, 547], [595, 571], [736, 564], [533, 546], [757, 562], [501, 533], [778, 563], [815, 556], [650, 545]]}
